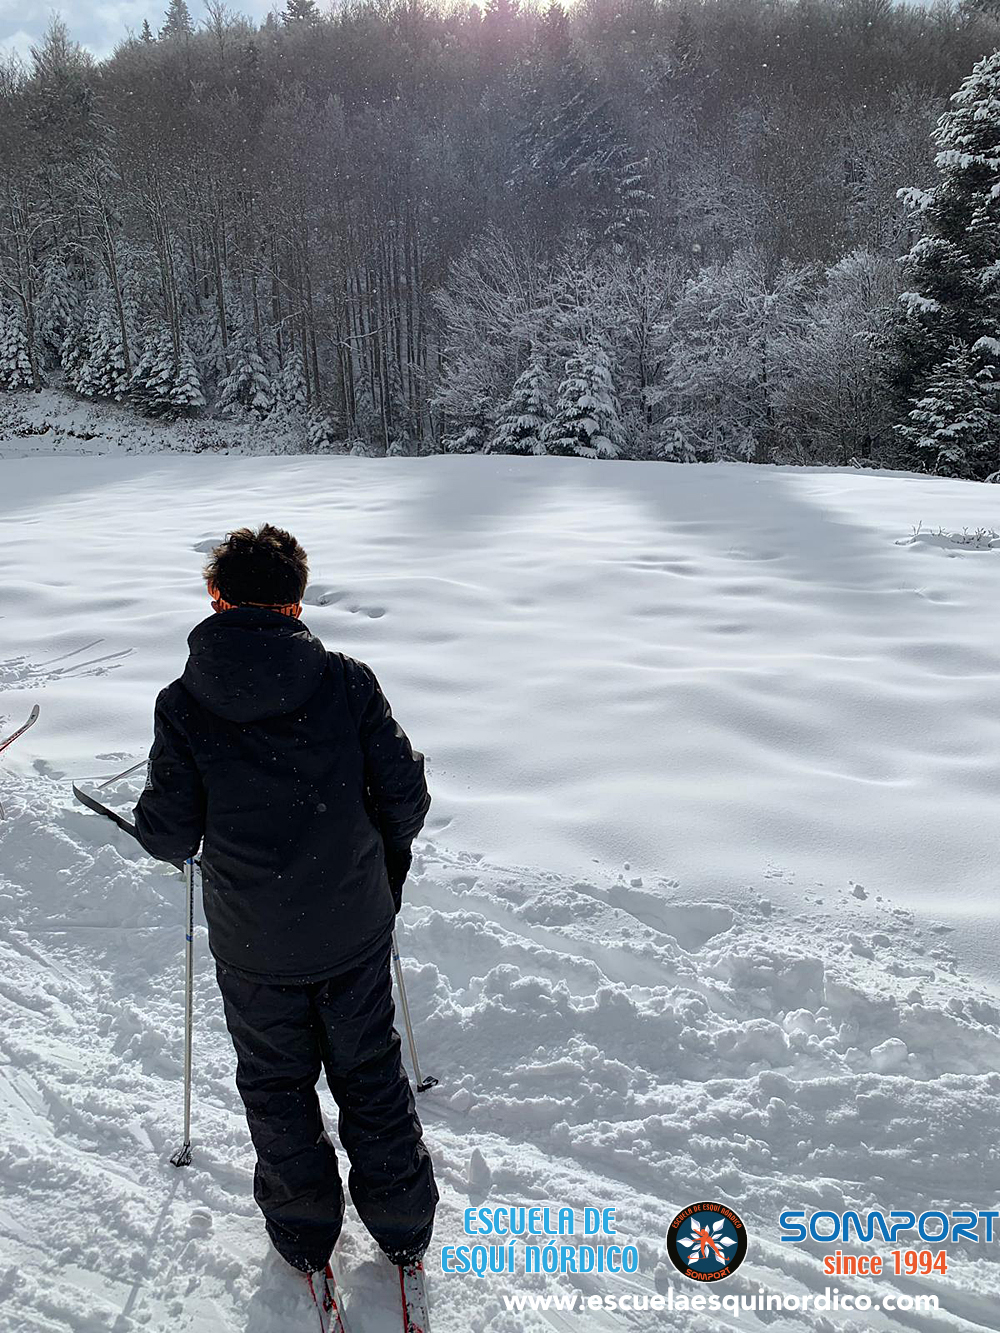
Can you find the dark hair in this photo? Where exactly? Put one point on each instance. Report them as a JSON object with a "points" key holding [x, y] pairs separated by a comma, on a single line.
{"points": [[267, 566]]}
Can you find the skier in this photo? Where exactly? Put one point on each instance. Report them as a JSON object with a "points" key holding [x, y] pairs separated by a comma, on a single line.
{"points": [[286, 761]]}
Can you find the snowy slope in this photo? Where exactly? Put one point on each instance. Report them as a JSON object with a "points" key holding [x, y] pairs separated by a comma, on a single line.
{"points": [[704, 907]]}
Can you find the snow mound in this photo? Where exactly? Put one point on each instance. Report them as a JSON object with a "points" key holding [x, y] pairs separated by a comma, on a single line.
{"points": [[976, 539]]}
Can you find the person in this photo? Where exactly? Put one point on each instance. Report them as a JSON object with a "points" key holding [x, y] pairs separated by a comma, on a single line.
{"points": [[284, 761]]}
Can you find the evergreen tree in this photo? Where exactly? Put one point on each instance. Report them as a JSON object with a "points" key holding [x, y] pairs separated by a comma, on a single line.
{"points": [[630, 209], [147, 379], [104, 373], [952, 312], [145, 32], [472, 440], [62, 105], [586, 420], [300, 11], [572, 142], [76, 344], [57, 305], [683, 46], [186, 394], [15, 364], [499, 25], [955, 425], [501, 14], [291, 389], [400, 445], [177, 20], [165, 382], [525, 414], [553, 36], [247, 387], [321, 433], [206, 340]]}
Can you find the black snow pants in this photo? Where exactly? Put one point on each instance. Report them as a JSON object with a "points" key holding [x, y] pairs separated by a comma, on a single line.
{"points": [[284, 1035]]}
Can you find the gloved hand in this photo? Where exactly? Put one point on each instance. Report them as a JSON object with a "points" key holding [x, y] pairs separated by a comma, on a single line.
{"points": [[397, 864]]}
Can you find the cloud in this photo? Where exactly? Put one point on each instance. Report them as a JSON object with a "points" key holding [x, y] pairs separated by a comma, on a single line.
{"points": [[16, 43], [99, 27]]}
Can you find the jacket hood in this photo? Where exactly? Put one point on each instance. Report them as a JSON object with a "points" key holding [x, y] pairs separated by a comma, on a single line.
{"points": [[250, 663]]}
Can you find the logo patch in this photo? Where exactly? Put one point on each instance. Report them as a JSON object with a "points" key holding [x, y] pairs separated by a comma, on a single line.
{"points": [[707, 1241]]}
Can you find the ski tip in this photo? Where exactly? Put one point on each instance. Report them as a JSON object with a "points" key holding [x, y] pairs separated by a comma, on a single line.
{"points": [[33, 715]]}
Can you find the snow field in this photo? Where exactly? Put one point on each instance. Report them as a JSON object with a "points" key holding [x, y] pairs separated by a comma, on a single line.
{"points": [[702, 908]]}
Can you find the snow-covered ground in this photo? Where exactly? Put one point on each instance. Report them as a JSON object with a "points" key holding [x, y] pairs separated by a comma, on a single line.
{"points": [[704, 907]]}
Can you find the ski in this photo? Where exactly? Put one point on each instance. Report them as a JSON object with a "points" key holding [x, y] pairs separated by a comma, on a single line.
{"points": [[329, 1306], [92, 803], [413, 1294], [9, 740]]}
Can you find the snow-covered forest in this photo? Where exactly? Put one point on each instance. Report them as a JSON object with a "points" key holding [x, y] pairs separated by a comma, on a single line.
{"points": [[626, 229]]}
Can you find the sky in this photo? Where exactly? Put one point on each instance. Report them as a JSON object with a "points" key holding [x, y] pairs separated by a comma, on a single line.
{"points": [[99, 27]]}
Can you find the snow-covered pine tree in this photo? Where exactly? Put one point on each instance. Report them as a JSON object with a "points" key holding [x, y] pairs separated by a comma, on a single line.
{"points": [[586, 420], [673, 446], [321, 433], [247, 387], [951, 317], [300, 11], [138, 292], [208, 351], [569, 130], [523, 417], [57, 306], [471, 440], [632, 198], [103, 374], [955, 425], [573, 139], [186, 395], [291, 388], [177, 20], [165, 382], [147, 389], [76, 344], [15, 364]]}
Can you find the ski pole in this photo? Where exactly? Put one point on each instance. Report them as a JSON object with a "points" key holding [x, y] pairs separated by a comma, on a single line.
{"points": [[422, 1083], [128, 772], [182, 1157]]}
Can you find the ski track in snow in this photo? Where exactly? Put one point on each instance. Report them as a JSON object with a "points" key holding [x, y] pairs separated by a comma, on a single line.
{"points": [[669, 713]]}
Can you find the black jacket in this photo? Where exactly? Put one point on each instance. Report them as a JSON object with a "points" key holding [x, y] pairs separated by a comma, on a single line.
{"points": [[286, 760]]}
